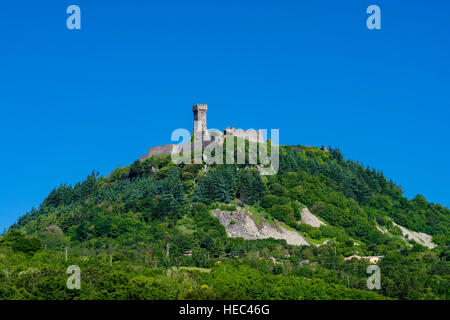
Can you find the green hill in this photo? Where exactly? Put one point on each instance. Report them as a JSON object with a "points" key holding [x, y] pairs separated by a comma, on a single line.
{"points": [[129, 233]]}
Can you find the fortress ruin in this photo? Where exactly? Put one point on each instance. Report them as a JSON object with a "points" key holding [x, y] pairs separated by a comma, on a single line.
{"points": [[200, 127]]}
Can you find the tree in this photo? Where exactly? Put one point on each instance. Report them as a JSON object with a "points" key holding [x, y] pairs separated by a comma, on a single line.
{"points": [[282, 212], [136, 170], [251, 187], [82, 231], [24, 244]]}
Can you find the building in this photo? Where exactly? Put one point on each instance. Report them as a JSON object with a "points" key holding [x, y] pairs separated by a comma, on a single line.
{"points": [[353, 256], [249, 134], [200, 118], [370, 259], [200, 126], [373, 259]]}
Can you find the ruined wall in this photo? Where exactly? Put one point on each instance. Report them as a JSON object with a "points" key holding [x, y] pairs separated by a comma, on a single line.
{"points": [[249, 134], [156, 151], [199, 111]]}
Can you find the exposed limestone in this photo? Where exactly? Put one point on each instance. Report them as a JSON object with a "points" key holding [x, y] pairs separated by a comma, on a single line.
{"points": [[240, 225], [323, 243], [381, 230], [419, 237], [309, 218]]}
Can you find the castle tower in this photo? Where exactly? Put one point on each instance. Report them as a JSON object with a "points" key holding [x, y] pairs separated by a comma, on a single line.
{"points": [[200, 117]]}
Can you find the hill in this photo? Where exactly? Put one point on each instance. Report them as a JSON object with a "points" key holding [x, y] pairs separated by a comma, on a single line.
{"points": [[141, 232]]}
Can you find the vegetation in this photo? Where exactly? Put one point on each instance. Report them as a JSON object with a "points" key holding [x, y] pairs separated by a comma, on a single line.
{"points": [[129, 233]]}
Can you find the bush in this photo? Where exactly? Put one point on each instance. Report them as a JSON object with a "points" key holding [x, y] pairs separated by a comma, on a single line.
{"points": [[32, 244], [282, 212], [269, 200]]}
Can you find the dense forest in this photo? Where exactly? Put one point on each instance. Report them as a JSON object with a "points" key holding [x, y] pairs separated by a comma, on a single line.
{"points": [[129, 233]]}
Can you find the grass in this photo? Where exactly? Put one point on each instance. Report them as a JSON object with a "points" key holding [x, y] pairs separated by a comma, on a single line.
{"points": [[207, 270], [259, 216], [288, 227]]}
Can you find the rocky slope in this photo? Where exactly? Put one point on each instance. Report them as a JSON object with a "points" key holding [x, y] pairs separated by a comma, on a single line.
{"points": [[310, 219], [238, 224], [419, 237]]}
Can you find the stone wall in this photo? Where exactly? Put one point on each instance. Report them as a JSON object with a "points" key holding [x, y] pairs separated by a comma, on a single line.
{"points": [[249, 134], [156, 151], [199, 111]]}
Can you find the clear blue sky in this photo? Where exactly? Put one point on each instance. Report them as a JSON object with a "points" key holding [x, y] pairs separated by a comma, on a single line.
{"points": [[93, 99]]}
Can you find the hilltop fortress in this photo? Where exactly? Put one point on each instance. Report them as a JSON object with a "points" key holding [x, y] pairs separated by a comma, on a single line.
{"points": [[200, 127]]}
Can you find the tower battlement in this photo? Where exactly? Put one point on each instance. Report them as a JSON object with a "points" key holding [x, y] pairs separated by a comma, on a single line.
{"points": [[200, 107]]}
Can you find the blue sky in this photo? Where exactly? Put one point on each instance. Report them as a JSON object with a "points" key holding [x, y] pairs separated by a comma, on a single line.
{"points": [[74, 101]]}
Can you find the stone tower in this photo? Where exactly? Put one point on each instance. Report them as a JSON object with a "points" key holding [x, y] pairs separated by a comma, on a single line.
{"points": [[200, 117]]}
